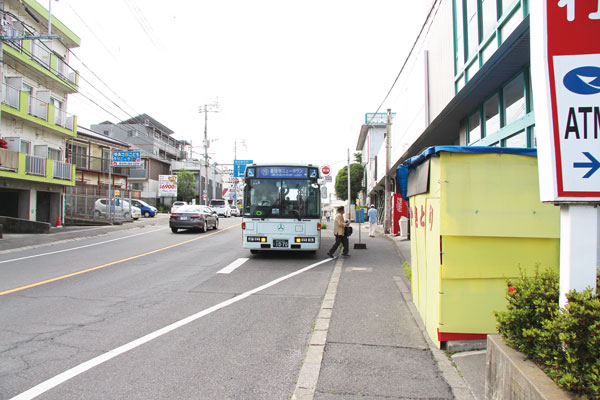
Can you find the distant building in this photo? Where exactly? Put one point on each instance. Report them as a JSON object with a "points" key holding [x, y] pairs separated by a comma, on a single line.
{"points": [[36, 81], [158, 149]]}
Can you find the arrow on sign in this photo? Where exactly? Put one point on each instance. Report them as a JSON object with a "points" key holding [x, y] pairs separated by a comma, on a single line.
{"points": [[593, 165]]}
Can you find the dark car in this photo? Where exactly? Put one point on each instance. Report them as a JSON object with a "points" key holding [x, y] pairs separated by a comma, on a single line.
{"points": [[194, 217]]}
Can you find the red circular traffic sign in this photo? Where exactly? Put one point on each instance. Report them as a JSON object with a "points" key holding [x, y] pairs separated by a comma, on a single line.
{"points": [[325, 170]]}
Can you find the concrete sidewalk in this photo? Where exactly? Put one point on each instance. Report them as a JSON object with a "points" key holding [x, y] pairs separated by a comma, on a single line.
{"points": [[373, 342]]}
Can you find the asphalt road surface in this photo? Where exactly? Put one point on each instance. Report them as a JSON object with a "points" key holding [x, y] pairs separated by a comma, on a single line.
{"points": [[145, 313]]}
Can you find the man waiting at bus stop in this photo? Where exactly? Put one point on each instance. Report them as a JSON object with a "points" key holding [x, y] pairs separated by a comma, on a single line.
{"points": [[338, 230]]}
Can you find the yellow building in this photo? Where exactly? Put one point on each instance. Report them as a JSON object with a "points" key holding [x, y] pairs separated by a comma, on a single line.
{"points": [[36, 81]]}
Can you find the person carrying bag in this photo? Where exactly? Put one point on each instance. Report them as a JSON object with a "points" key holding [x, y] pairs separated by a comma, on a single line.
{"points": [[339, 230]]}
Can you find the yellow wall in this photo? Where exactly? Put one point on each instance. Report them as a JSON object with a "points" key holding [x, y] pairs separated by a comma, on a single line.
{"points": [[479, 224]]}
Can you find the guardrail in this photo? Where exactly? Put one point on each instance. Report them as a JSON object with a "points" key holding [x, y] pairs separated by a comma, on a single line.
{"points": [[62, 170], [35, 165]]}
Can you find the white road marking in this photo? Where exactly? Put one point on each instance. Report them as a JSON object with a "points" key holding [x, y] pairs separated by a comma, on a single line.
{"points": [[79, 247], [231, 267], [94, 362]]}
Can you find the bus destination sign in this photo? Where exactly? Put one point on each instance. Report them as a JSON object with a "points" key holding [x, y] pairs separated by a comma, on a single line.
{"points": [[282, 172]]}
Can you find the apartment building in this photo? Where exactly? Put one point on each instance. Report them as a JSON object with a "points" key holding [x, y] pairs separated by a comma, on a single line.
{"points": [[36, 81], [214, 173], [158, 149]]}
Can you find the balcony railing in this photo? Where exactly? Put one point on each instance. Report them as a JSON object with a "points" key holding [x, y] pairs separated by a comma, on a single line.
{"points": [[65, 71], [38, 108], [10, 96], [62, 170], [40, 53], [35, 165]]}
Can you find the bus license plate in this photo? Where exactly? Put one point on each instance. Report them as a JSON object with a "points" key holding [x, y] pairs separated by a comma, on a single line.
{"points": [[280, 243]]}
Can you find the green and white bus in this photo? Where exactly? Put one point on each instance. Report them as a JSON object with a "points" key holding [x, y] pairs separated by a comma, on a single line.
{"points": [[282, 207]]}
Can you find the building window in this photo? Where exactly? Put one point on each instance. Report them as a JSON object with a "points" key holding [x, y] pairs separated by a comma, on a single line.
{"points": [[519, 139], [129, 133], [79, 156], [472, 27], [474, 128], [54, 154], [514, 100], [459, 39], [25, 147], [491, 112], [480, 28]]}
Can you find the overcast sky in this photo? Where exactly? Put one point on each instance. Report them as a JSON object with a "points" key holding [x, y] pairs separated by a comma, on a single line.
{"points": [[294, 79]]}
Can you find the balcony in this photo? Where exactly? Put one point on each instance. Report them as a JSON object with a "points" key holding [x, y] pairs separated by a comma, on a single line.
{"points": [[27, 167], [38, 111], [44, 63]]}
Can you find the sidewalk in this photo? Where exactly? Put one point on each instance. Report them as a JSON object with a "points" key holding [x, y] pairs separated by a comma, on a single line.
{"points": [[373, 344], [19, 241]]}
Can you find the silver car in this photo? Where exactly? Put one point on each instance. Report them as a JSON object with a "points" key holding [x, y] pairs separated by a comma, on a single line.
{"points": [[194, 217], [120, 209]]}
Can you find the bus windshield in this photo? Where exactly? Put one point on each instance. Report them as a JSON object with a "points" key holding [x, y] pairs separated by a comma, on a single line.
{"points": [[282, 198]]}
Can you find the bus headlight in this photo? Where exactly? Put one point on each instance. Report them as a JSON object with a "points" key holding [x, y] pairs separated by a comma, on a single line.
{"points": [[304, 240]]}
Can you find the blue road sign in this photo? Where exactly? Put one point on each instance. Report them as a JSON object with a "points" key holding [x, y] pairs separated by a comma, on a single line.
{"points": [[126, 158], [239, 167]]}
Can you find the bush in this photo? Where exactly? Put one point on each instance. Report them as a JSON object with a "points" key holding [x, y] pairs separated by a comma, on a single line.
{"points": [[564, 342]]}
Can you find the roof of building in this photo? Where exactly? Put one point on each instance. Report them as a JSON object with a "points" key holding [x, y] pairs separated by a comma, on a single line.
{"points": [[145, 119], [81, 131]]}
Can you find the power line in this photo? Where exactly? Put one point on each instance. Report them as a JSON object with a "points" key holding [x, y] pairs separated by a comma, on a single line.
{"points": [[436, 2]]}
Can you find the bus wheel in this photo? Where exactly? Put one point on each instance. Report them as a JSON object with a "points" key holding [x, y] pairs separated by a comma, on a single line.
{"points": [[254, 251]]}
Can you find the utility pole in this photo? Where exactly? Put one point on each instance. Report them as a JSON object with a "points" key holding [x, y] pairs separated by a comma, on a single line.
{"points": [[388, 156], [213, 107], [349, 200]]}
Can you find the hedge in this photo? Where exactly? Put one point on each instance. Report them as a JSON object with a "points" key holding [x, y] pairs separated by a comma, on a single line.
{"points": [[564, 342]]}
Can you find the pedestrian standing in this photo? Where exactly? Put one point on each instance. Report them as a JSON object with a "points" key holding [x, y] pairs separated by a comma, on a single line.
{"points": [[338, 230], [372, 220]]}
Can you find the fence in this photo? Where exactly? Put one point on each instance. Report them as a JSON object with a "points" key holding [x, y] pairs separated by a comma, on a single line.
{"points": [[92, 204]]}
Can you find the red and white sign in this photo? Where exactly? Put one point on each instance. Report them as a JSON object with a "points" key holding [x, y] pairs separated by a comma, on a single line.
{"points": [[167, 185], [225, 191], [325, 170], [565, 69]]}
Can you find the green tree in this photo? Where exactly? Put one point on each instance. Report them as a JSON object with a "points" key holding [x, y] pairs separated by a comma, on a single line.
{"points": [[186, 186], [341, 182]]}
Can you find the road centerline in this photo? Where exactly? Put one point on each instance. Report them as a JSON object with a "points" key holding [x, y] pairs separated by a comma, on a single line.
{"points": [[94, 362], [58, 278]]}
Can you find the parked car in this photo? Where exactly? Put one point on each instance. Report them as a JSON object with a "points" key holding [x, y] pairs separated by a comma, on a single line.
{"points": [[147, 209], [120, 209], [221, 207], [235, 212], [194, 217], [176, 205]]}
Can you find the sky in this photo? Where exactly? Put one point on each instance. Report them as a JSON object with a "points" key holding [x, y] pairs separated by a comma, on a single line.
{"points": [[293, 79]]}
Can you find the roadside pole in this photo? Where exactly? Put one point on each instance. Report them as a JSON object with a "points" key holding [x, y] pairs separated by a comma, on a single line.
{"points": [[349, 200], [566, 104], [388, 156]]}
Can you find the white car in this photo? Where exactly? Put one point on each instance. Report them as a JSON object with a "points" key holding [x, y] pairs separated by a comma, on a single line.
{"points": [[221, 207], [120, 209], [176, 205], [235, 212]]}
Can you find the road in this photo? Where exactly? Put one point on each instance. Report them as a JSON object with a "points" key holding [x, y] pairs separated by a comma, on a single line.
{"points": [[145, 313]]}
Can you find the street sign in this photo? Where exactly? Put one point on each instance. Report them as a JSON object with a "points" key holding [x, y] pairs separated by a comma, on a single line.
{"points": [[325, 170], [126, 158], [239, 167], [328, 179], [565, 68], [204, 196], [565, 60]]}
